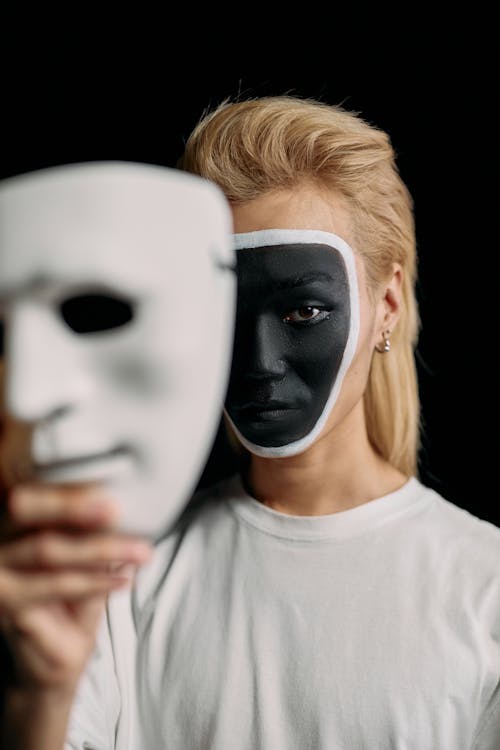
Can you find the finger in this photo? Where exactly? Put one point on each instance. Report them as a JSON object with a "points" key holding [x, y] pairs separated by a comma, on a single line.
{"points": [[51, 549], [52, 643], [87, 612], [19, 592], [29, 505]]}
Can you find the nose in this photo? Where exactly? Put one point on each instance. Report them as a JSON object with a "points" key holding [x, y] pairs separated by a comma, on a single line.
{"points": [[44, 372], [260, 348]]}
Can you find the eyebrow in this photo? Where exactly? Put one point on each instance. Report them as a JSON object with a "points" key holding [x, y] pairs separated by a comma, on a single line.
{"points": [[297, 281]]}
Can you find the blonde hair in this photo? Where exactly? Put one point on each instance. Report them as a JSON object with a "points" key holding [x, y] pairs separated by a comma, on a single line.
{"points": [[251, 147]]}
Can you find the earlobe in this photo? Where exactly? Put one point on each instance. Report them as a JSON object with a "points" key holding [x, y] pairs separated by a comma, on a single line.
{"points": [[390, 307]]}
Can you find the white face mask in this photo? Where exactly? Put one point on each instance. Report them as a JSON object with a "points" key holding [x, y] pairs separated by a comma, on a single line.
{"points": [[117, 297]]}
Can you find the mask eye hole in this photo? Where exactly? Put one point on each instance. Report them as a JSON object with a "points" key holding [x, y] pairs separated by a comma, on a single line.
{"points": [[91, 313]]}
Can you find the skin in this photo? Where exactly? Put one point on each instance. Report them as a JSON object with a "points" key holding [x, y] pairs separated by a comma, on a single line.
{"points": [[341, 469], [53, 585]]}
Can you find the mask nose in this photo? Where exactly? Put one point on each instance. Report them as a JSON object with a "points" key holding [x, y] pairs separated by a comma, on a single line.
{"points": [[45, 375]]}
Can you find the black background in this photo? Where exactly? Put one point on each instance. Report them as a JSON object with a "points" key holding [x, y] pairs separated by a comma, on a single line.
{"points": [[76, 89]]}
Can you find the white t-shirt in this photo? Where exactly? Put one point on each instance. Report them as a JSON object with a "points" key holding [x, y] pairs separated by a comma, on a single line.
{"points": [[375, 628]]}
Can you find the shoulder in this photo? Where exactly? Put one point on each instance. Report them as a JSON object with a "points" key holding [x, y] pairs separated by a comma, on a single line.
{"points": [[467, 530], [463, 549]]}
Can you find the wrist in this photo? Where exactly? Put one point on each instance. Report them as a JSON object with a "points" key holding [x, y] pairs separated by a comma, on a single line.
{"points": [[40, 698], [33, 717]]}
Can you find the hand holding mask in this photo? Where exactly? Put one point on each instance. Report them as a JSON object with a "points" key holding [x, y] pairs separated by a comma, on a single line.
{"points": [[117, 294]]}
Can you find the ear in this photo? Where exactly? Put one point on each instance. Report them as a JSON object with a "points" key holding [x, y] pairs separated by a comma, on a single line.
{"points": [[389, 302]]}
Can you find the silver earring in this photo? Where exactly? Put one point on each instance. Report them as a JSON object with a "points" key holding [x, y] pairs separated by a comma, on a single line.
{"points": [[386, 346]]}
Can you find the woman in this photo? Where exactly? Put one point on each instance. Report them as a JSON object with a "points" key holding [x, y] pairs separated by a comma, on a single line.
{"points": [[322, 597]]}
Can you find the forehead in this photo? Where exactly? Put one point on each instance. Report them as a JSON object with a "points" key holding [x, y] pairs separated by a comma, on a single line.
{"points": [[305, 206], [125, 225], [275, 268]]}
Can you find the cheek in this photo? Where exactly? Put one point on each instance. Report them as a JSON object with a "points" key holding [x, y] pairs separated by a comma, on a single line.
{"points": [[367, 313], [357, 374], [130, 383], [356, 378], [368, 327], [319, 350], [136, 377], [154, 361], [315, 358]]}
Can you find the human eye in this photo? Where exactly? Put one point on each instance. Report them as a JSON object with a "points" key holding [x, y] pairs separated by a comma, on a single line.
{"points": [[306, 315]]}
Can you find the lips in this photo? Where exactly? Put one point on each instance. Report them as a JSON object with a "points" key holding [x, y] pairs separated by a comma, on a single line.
{"points": [[259, 413], [263, 405]]}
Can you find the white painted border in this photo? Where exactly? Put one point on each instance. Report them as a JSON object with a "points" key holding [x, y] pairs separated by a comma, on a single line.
{"points": [[270, 237]]}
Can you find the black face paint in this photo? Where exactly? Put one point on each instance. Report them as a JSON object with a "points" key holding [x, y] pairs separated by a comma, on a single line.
{"points": [[292, 327]]}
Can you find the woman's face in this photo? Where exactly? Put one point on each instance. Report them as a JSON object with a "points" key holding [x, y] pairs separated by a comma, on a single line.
{"points": [[294, 321]]}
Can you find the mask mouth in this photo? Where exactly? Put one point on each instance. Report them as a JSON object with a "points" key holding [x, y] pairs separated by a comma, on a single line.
{"points": [[87, 468]]}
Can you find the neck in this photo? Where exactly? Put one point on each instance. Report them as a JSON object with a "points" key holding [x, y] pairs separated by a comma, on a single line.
{"points": [[339, 471]]}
